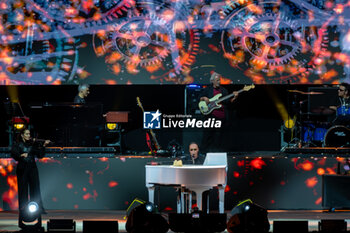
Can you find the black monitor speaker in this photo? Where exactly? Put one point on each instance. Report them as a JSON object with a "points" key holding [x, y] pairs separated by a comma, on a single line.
{"points": [[290, 226], [100, 226], [61, 225], [197, 222], [332, 225]]}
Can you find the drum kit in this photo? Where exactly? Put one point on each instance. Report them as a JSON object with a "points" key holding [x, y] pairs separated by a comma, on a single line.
{"points": [[315, 127]]}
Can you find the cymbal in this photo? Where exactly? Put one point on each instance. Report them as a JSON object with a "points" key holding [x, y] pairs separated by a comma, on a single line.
{"points": [[306, 93]]}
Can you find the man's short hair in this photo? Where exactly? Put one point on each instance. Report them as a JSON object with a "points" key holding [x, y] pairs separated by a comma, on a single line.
{"points": [[347, 86], [191, 143], [213, 75], [83, 87]]}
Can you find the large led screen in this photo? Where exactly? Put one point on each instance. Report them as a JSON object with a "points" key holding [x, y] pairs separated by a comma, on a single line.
{"points": [[173, 41]]}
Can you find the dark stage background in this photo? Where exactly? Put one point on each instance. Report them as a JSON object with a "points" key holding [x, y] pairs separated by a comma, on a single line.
{"points": [[255, 118]]}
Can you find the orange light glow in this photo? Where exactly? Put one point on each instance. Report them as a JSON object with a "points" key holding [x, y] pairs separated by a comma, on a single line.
{"points": [[214, 48], [330, 171], [49, 78], [311, 182], [104, 159], [168, 15], [225, 81], [113, 58], [306, 165], [318, 201], [320, 171], [339, 8], [111, 82], [329, 75], [116, 68], [154, 67]]}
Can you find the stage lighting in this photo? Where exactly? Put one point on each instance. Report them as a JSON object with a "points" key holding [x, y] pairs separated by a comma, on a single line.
{"points": [[19, 123], [246, 208], [149, 207], [248, 217], [111, 126], [113, 118], [289, 123], [146, 219], [33, 207], [18, 126], [30, 218]]}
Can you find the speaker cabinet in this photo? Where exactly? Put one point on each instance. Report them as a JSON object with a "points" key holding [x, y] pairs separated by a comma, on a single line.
{"points": [[61, 225], [100, 226]]}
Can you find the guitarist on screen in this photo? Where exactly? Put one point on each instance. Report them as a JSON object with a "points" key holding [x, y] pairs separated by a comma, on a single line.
{"points": [[212, 138], [212, 91]]}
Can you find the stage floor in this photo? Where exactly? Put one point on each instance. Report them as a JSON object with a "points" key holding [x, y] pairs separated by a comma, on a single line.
{"points": [[9, 221]]}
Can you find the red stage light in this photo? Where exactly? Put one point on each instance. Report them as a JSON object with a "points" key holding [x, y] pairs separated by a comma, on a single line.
{"points": [[112, 184]]}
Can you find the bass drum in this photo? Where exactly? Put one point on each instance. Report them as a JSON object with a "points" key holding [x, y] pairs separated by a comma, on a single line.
{"points": [[337, 136]]}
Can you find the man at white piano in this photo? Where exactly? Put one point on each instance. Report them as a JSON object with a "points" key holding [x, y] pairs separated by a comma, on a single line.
{"points": [[212, 138], [196, 158]]}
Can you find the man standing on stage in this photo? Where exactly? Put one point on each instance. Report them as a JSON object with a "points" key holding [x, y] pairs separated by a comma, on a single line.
{"points": [[84, 91], [25, 151], [212, 138]]}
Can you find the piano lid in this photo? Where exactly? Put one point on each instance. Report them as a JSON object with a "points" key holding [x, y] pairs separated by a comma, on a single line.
{"points": [[216, 159]]}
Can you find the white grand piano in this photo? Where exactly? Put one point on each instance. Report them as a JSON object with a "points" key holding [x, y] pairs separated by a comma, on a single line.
{"points": [[197, 178]]}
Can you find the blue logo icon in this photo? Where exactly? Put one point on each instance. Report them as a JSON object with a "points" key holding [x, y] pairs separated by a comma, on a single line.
{"points": [[151, 120]]}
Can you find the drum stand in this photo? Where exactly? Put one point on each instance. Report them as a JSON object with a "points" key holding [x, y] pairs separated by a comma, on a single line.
{"points": [[297, 141]]}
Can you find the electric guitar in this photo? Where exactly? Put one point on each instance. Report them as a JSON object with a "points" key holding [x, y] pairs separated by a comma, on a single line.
{"points": [[153, 135], [214, 102]]}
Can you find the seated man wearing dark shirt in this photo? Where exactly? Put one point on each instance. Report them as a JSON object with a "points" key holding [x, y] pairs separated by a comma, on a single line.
{"points": [[195, 157], [84, 91], [341, 105]]}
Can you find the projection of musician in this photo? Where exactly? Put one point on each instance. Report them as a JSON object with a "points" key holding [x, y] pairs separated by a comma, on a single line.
{"points": [[341, 105], [24, 151], [212, 138], [83, 92]]}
